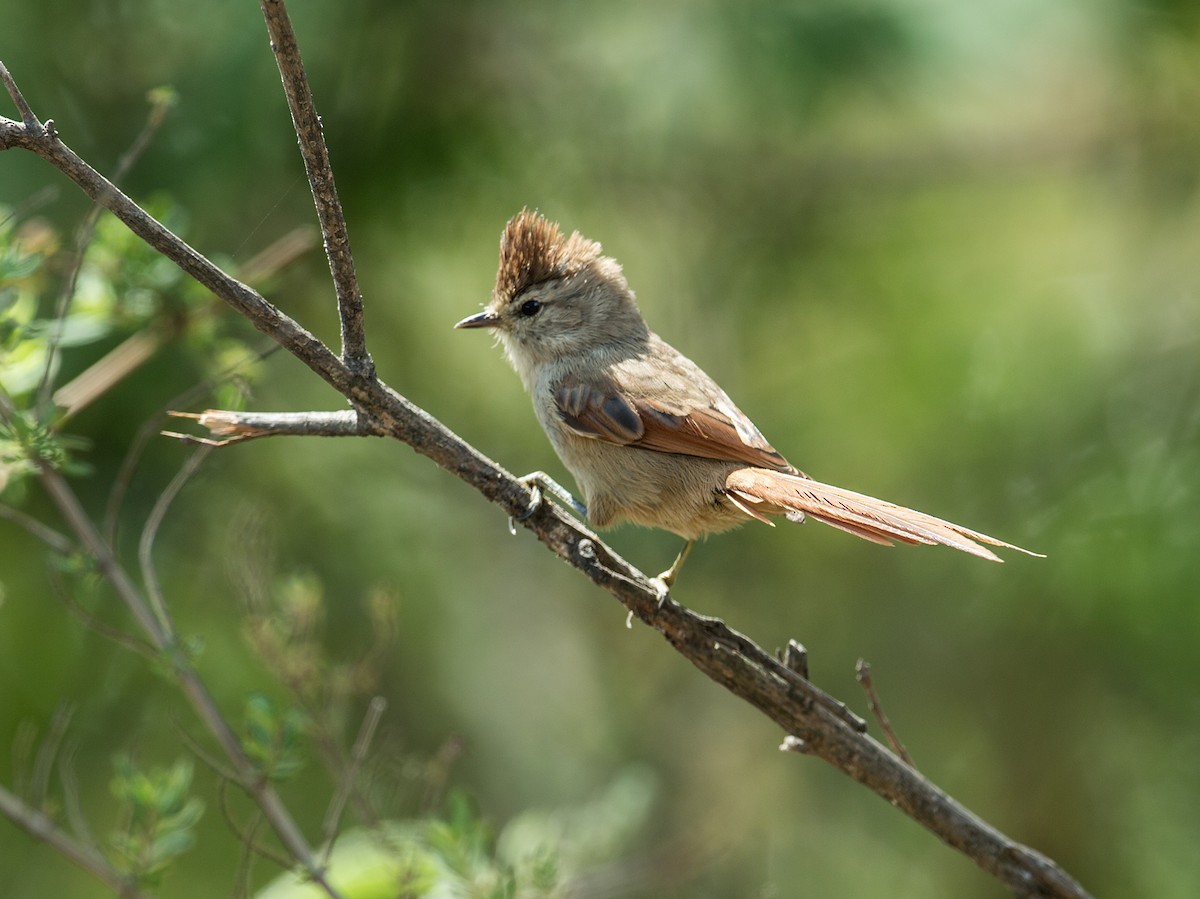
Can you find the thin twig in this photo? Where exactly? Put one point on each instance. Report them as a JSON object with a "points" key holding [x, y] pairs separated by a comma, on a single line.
{"points": [[93, 622], [234, 427], [99, 377], [71, 793], [30, 204], [279, 254], [320, 178], [862, 671], [795, 658], [28, 119], [150, 428], [366, 733], [247, 836], [60, 543], [223, 772], [39, 784], [83, 238], [245, 868], [153, 522]]}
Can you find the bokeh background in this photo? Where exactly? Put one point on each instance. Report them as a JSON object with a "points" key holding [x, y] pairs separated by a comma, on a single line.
{"points": [[943, 253]]}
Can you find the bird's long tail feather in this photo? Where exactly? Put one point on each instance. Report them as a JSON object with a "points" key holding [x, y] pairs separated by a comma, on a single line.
{"points": [[759, 493]]}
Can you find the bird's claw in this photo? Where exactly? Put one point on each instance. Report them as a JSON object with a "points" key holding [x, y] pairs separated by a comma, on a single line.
{"points": [[662, 586], [536, 498], [535, 501]]}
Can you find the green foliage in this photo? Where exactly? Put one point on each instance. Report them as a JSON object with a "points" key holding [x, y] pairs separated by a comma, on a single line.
{"points": [[540, 855], [160, 817], [121, 285], [22, 279], [24, 443], [272, 737]]}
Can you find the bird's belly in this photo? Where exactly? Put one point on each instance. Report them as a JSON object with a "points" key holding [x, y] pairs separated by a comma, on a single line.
{"points": [[682, 494]]}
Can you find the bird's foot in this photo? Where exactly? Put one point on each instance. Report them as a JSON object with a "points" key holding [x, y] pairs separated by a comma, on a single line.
{"points": [[539, 484], [662, 586], [664, 582]]}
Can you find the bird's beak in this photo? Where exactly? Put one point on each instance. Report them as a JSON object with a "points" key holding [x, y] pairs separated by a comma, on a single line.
{"points": [[485, 319]]}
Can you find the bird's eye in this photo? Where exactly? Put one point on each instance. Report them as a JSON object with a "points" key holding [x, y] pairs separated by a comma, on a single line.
{"points": [[530, 308]]}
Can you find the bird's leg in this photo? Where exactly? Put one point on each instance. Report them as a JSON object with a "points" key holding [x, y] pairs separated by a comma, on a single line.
{"points": [[665, 580], [538, 483]]}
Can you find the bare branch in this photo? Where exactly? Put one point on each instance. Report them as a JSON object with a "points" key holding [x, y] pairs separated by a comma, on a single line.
{"points": [[366, 733], [60, 543], [235, 427], [320, 178], [862, 672], [27, 117], [248, 835], [150, 532], [94, 623], [39, 783]]}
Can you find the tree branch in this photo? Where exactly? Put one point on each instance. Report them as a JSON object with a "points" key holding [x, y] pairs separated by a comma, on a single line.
{"points": [[236, 427], [721, 653], [320, 178], [29, 120], [862, 671]]}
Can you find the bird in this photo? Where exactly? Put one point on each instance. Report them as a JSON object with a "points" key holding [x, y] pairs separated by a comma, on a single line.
{"points": [[649, 437]]}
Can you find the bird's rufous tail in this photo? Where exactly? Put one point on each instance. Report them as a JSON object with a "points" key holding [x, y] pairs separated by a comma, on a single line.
{"points": [[760, 493]]}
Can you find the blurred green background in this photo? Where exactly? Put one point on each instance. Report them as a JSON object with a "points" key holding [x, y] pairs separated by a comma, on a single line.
{"points": [[942, 253]]}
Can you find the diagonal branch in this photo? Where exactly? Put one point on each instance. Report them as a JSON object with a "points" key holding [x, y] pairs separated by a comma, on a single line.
{"points": [[320, 178], [723, 654]]}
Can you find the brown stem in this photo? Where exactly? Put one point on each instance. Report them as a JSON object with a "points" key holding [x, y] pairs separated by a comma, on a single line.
{"points": [[320, 178], [862, 671], [233, 427]]}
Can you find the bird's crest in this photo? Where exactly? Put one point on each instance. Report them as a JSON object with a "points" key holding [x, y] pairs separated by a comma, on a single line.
{"points": [[534, 250]]}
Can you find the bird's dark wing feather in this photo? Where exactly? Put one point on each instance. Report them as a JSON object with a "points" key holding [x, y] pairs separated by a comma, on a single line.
{"points": [[700, 419]]}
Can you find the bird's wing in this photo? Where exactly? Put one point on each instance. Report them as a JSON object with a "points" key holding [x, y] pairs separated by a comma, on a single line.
{"points": [[687, 414]]}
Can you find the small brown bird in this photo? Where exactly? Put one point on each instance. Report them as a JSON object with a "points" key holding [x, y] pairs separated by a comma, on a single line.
{"points": [[650, 438]]}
